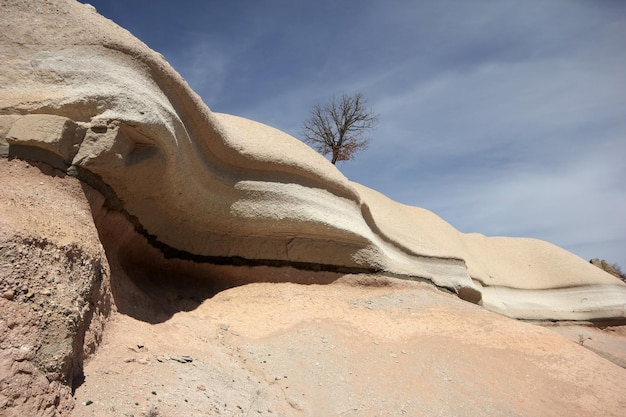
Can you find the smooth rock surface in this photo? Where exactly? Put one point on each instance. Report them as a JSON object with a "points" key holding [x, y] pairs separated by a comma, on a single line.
{"points": [[218, 188]]}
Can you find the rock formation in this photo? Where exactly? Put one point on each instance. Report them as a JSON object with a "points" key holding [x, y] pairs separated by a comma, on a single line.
{"points": [[83, 95], [605, 266], [54, 288], [158, 188]]}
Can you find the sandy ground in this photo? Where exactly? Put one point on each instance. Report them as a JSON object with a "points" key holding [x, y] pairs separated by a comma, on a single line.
{"points": [[344, 349]]}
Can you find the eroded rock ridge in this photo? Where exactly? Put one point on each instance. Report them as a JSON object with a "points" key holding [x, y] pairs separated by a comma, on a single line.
{"points": [[85, 96]]}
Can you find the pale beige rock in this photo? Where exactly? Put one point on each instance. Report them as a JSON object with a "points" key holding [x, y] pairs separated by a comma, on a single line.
{"points": [[57, 135], [219, 188], [5, 125], [605, 266]]}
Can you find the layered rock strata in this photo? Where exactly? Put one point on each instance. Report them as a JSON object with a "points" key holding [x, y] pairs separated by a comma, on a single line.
{"points": [[83, 95]]}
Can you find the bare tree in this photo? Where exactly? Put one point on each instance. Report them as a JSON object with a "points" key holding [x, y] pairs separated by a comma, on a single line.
{"points": [[338, 128]]}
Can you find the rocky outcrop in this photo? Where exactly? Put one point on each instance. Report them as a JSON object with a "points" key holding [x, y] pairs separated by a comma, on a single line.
{"points": [[605, 266], [83, 95], [54, 287]]}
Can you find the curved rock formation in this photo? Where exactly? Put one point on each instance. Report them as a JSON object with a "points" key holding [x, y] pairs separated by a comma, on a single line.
{"points": [[82, 94]]}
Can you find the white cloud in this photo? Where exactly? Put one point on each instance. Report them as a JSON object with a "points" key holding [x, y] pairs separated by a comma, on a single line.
{"points": [[576, 201]]}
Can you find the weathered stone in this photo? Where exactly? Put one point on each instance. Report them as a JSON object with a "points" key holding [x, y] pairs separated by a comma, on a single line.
{"points": [[605, 266], [57, 135], [46, 231], [220, 189], [5, 125]]}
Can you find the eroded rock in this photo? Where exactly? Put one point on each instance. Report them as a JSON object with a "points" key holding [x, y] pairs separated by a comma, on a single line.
{"points": [[605, 266], [55, 290], [45, 138], [220, 189]]}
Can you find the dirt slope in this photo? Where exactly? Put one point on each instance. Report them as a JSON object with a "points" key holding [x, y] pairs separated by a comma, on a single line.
{"points": [[359, 347], [53, 288]]}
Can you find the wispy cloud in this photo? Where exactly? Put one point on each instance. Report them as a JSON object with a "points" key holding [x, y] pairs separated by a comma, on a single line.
{"points": [[204, 65], [574, 202]]}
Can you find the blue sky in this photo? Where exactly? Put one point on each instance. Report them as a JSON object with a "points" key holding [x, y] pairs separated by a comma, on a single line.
{"points": [[504, 117]]}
